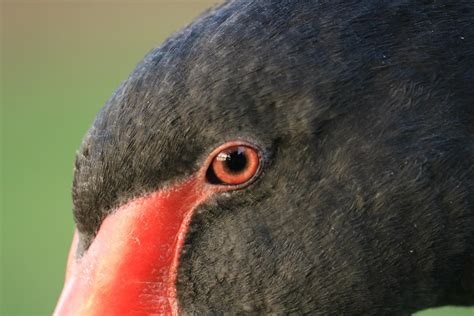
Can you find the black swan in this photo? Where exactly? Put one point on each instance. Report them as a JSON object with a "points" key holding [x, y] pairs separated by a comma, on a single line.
{"points": [[303, 157]]}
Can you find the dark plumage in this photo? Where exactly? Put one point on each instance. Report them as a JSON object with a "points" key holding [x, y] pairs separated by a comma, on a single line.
{"points": [[365, 112]]}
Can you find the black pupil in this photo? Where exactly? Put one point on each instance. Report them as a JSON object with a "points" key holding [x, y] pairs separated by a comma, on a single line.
{"points": [[236, 161]]}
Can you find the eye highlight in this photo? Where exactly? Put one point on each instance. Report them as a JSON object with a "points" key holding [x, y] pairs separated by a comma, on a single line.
{"points": [[234, 164]]}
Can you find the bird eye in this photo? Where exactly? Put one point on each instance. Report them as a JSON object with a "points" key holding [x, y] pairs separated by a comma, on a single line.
{"points": [[234, 165]]}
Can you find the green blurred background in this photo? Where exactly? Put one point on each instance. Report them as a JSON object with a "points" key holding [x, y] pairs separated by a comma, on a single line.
{"points": [[60, 60]]}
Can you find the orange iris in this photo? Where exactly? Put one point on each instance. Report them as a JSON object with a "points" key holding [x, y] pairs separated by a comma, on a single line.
{"points": [[235, 164]]}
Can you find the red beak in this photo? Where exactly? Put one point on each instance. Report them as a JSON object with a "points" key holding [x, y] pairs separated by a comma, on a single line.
{"points": [[131, 266]]}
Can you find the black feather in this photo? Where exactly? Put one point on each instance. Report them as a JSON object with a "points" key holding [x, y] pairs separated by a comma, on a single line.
{"points": [[366, 111]]}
